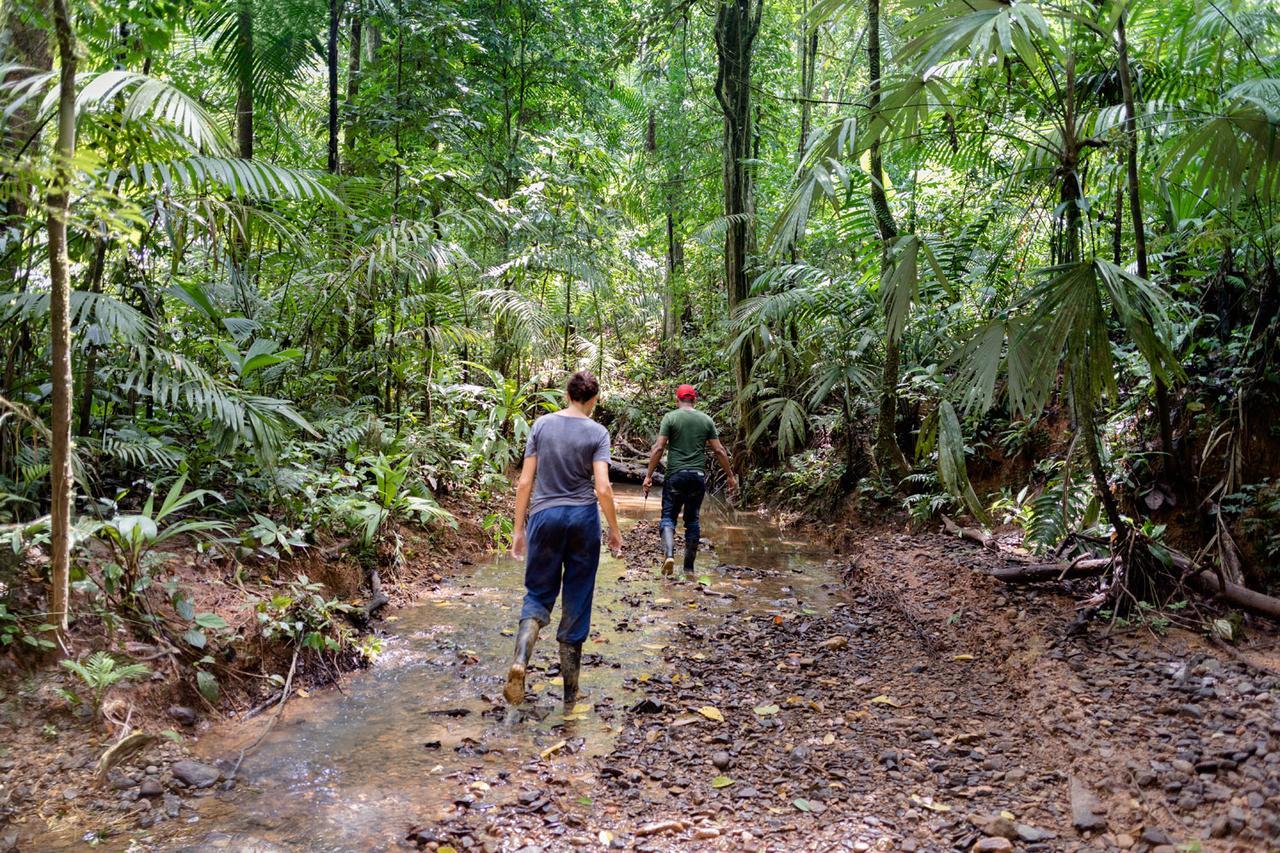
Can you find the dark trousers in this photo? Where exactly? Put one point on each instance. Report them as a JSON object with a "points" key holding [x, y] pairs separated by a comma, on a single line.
{"points": [[684, 491], [564, 553]]}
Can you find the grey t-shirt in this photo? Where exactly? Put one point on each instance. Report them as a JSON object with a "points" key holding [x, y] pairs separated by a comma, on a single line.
{"points": [[566, 448]]}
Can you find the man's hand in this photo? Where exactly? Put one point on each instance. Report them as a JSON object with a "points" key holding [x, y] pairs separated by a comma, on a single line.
{"points": [[615, 542], [648, 484], [732, 486], [518, 545]]}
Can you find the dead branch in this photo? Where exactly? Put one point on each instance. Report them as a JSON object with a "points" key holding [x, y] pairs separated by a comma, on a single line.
{"points": [[1041, 572], [973, 534]]}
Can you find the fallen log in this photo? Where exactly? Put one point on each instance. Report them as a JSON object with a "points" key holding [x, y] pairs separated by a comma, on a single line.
{"points": [[631, 472], [1240, 596], [1041, 572], [1205, 580]]}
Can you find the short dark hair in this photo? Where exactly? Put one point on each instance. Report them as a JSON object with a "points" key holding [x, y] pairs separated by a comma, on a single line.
{"points": [[582, 386]]}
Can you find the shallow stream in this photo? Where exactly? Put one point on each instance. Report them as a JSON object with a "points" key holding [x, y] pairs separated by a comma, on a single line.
{"points": [[355, 768]]}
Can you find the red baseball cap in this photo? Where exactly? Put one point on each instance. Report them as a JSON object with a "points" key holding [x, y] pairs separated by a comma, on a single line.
{"points": [[686, 392]]}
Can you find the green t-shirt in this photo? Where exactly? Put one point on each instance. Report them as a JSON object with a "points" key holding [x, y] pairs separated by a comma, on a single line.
{"points": [[687, 432]]}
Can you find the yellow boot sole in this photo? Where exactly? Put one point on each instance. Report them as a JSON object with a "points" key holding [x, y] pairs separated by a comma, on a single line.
{"points": [[514, 691]]}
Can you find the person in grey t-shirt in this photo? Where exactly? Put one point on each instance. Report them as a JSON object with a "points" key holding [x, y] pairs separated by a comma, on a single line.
{"points": [[565, 474]]}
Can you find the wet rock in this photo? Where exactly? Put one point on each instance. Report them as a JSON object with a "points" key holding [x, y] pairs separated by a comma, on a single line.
{"points": [[647, 705], [183, 715], [117, 781], [1084, 808], [992, 844], [1033, 835], [1155, 836], [193, 774]]}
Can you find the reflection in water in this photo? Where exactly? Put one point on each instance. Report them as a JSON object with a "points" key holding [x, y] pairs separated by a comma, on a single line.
{"points": [[426, 729]]}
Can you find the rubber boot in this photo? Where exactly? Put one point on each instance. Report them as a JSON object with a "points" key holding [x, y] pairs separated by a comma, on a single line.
{"points": [[525, 639], [570, 665], [668, 550], [690, 554]]}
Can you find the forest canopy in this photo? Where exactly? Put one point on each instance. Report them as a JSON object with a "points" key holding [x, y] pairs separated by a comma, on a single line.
{"points": [[300, 266]]}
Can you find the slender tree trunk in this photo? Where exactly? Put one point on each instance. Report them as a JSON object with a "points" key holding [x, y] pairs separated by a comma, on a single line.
{"points": [[889, 457], [353, 86], [737, 23], [244, 80], [1140, 231], [1083, 397], [96, 269], [335, 15], [675, 271], [60, 479], [808, 50]]}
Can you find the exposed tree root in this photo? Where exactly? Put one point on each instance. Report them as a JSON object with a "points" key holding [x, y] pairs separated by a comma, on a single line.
{"points": [[284, 697]]}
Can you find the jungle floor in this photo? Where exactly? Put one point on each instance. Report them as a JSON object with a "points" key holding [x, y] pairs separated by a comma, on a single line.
{"points": [[893, 697]]}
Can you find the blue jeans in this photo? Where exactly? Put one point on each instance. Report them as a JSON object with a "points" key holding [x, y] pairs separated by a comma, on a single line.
{"points": [[564, 550], [684, 490]]}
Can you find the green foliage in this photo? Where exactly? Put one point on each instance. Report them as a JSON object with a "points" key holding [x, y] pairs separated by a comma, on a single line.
{"points": [[100, 672], [331, 350], [19, 630], [302, 615], [134, 537], [392, 495]]}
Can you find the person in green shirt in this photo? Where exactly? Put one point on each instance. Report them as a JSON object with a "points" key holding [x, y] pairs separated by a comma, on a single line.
{"points": [[684, 435]]}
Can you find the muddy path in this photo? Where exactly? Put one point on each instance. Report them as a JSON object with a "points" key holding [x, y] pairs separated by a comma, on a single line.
{"points": [[891, 699], [355, 768]]}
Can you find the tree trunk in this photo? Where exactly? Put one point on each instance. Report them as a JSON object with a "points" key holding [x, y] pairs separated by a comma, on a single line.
{"points": [[675, 270], [1140, 232], [889, 457], [96, 270], [244, 80], [353, 86], [737, 23], [808, 50], [335, 14], [60, 480]]}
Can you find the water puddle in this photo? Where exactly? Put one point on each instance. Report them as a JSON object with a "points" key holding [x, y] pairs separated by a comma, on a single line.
{"points": [[410, 738]]}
